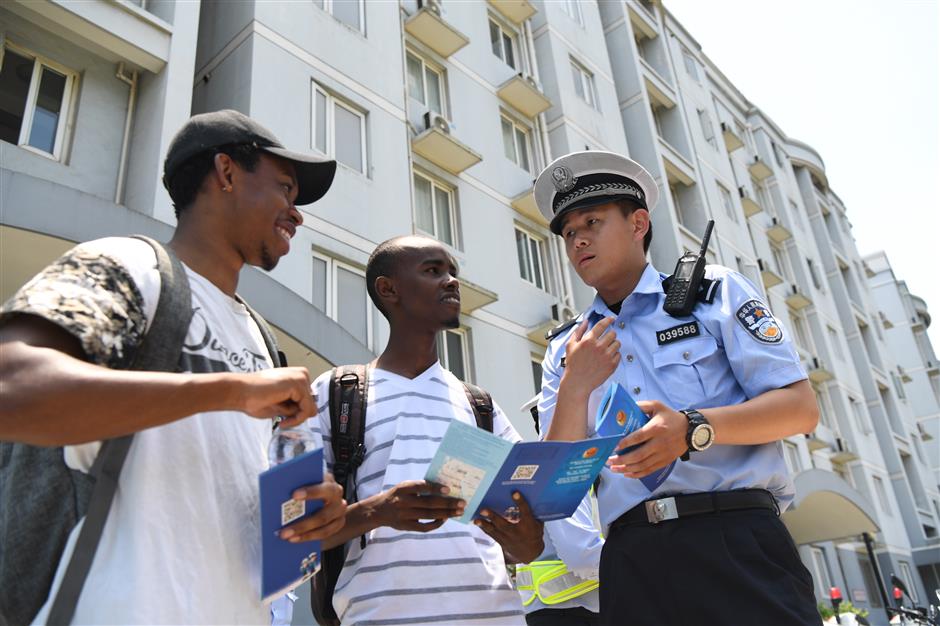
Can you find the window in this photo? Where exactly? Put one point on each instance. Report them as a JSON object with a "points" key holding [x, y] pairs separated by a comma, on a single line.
{"points": [[823, 580], [728, 203], [584, 84], [35, 98], [339, 290], [898, 385], [860, 420], [532, 258], [434, 209], [425, 83], [453, 353], [573, 9], [795, 212], [349, 12], [536, 362], [836, 344], [825, 410], [708, 130], [882, 494], [871, 586], [814, 274], [504, 43], [905, 568], [791, 454], [780, 260], [339, 129], [691, 65], [799, 329], [516, 143]]}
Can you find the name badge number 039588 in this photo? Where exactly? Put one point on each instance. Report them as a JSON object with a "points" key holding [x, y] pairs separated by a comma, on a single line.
{"points": [[682, 331]]}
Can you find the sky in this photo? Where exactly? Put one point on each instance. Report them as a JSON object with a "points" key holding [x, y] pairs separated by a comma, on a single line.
{"points": [[857, 80]]}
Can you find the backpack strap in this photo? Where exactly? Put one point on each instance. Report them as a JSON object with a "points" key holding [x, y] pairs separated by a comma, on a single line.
{"points": [[278, 358], [482, 405], [349, 386], [159, 351]]}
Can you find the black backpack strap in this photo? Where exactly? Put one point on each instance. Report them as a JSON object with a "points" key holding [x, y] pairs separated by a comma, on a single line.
{"points": [[278, 358], [349, 387], [482, 405], [158, 352]]}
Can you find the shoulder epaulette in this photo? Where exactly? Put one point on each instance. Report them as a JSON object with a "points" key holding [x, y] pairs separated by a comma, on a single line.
{"points": [[560, 328]]}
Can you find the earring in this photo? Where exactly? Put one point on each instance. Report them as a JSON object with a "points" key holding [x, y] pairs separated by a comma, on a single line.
{"points": [[227, 188]]}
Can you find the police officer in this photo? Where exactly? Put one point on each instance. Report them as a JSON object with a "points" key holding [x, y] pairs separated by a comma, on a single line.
{"points": [[721, 387]]}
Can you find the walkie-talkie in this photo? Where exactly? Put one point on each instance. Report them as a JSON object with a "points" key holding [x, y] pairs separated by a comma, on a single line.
{"points": [[690, 270]]}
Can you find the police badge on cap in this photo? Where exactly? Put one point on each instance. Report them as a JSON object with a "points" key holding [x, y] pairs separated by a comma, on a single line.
{"points": [[582, 179]]}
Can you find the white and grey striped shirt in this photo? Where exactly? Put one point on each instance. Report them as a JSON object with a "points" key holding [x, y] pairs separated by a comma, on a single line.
{"points": [[452, 575]]}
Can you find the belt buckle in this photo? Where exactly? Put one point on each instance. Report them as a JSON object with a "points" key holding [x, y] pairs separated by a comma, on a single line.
{"points": [[661, 510]]}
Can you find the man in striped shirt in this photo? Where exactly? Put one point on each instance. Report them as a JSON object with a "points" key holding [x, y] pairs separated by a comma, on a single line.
{"points": [[418, 566]]}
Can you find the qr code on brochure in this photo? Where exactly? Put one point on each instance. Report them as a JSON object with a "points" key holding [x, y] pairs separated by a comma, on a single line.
{"points": [[524, 472], [291, 510]]}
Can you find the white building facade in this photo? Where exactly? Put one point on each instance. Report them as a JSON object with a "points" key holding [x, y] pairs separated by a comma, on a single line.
{"points": [[441, 114]]}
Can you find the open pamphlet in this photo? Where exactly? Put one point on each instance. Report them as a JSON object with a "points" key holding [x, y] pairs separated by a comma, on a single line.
{"points": [[285, 565], [618, 414], [484, 470]]}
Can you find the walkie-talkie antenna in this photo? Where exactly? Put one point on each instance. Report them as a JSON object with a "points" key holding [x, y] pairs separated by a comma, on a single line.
{"points": [[708, 235]]}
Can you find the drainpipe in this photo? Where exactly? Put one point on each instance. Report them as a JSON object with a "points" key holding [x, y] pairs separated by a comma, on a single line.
{"points": [[131, 80], [877, 571]]}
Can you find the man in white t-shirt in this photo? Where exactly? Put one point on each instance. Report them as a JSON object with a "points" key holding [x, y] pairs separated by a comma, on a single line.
{"points": [[417, 566], [181, 543]]}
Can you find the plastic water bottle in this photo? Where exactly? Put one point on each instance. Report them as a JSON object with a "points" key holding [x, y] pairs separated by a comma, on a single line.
{"points": [[287, 443]]}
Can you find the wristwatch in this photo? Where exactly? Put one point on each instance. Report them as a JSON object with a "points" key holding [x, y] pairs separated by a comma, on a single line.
{"points": [[700, 434]]}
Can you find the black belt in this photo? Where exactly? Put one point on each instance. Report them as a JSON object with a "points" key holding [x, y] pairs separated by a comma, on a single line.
{"points": [[685, 505]]}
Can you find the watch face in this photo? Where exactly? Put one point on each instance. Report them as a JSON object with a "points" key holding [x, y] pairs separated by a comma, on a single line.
{"points": [[701, 436]]}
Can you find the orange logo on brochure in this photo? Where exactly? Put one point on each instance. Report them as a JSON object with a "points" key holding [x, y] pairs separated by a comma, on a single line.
{"points": [[590, 452], [621, 418]]}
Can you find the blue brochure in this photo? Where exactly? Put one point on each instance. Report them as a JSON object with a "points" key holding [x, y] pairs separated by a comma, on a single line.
{"points": [[286, 565], [619, 415], [484, 470]]}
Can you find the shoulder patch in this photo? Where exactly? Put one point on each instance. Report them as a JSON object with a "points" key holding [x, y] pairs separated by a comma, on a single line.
{"points": [[759, 322], [561, 328]]}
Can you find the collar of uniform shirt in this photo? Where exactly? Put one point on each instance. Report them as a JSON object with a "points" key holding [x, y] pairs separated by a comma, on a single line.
{"points": [[650, 283]]}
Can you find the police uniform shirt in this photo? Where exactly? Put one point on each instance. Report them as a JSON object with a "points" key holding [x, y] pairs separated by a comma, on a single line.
{"points": [[725, 353]]}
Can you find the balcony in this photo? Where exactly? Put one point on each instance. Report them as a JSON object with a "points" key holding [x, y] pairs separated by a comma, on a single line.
{"points": [[759, 170], [427, 26], [818, 372], [778, 232], [437, 145], [678, 169], [767, 275], [796, 299], [473, 296], [117, 31], [524, 204], [516, 11], [814, 443], [748, 203], [642, 22], [885, 322], [524, 94], [660, 93], [842, 453], [732, 141]]}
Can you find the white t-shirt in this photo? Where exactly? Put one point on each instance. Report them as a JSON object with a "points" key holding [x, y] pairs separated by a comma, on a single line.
{"points": [[452, 575], [182, 541]]}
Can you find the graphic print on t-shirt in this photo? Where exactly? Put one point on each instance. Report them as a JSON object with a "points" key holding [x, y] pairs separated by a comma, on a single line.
{"points": [[192, 359]]}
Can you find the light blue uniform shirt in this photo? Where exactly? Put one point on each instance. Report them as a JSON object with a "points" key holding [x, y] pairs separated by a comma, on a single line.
{"points": [[576, 541], [737, 352]]}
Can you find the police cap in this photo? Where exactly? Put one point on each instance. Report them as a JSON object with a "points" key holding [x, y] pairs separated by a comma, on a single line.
{"points": [[583, 179]]}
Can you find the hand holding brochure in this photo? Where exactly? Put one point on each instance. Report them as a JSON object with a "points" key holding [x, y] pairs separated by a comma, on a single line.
{"points": [[619, 415], [484, 470], [286, 565]]}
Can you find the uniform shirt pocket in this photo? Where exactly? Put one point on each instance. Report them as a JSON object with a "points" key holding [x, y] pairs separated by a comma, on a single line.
{"points": [[682, 371]]}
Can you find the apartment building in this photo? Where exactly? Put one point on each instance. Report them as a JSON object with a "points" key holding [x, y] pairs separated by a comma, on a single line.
{"points": [[440, 114]]}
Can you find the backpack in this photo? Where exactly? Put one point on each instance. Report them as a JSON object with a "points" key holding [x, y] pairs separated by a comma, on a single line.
{"points": [[42, 499], [348, 392]]}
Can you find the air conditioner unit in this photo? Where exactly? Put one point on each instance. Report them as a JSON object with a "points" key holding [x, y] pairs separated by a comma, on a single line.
{"points": [[563, 313], [760, 265], [817, 364], [531, 80], [436, 120], [842, 445], [743, 192], [434, 6], [725, 128]]}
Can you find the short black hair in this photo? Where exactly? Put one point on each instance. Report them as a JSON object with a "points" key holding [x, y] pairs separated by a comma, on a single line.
{"points": [[382, 262], [191, 174], [627, 207]]}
